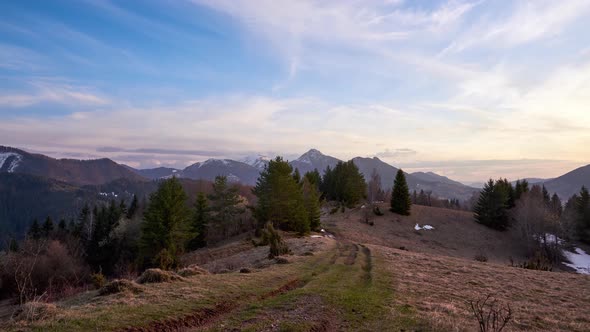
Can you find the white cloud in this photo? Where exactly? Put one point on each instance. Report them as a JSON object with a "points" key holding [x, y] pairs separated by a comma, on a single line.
{"points": [[48, 92]]}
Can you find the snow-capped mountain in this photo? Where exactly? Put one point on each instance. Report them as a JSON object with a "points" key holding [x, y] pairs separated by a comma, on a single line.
{"points": [[79, 172], [9, 161], [234, 170], [313, 159], [257, 161], [156, 173]]}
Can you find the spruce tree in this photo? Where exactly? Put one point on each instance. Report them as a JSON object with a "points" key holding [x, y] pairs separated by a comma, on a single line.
{"points": [[314, 178], [556, 205], [312, 203], [47, 227], [225, 205], [400, 195], [132, 208], [491, 208], [199, 222], [166, 226], [35, 230], [583, 211], [280, 198]]}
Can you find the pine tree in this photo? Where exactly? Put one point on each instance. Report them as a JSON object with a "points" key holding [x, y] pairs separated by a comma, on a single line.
{"points": [[280, 198], [556, 205], [132, 208], [311, 196], [400, 195], [62, 225], [345, 184], [47, 227], [491, 208], [225, 205], [35, 230], [13, 245], [199, 222], [583, 211], [297, 176], [546, 197], [314, 178], [166, 225]]}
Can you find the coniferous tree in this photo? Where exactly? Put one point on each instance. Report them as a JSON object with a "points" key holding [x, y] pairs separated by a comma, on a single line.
{"points": [[62, 225], [556, 205], [491, 209], [166, 226], [280, 198], [546, 197], [200, 221], [345, 184], [314, 178], [583, 211], [400, 195], [132, 208], [13, 245], [35, 230], [225, 205], [297, 176], [311, 196], [47, 227]]}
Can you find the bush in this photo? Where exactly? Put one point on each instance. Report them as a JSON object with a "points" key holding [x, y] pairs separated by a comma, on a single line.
{"points": [[491, 315], [120, 286], [157, 276], [334, 210], [377, 211], [245, 270], [281, 260], [98, 280], [277, 245], [481, 257], [41, 267], [192, 270], [34, 310]]}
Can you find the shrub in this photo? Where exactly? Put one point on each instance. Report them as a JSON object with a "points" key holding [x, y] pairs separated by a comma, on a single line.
{"points": [[481, 257], [538, 262], [98, 280], [277, 245], [35, 310], [377, 211], [120, 286], [192, 270], [491, 315], [281, 260], [156, 276], [334, 210], [245, 270]]}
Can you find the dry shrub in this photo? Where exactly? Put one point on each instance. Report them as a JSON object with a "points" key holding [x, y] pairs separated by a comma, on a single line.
{"points": [[41, 267], [481, 257], [281, 260], [491, 315], [34, 310], [98, 280], [192, 270], [120, 286], [156, 275], [245, 270]]}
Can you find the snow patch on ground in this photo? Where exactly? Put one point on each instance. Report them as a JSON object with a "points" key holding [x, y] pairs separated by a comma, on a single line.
{"points": [[15, 162], [426, 227], [316, 236], [580, 260]]}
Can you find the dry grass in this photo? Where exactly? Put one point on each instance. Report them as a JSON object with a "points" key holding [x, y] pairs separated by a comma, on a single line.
{"points": [[156, 276], [438, 287], [33, 311], [455, 233], [120, 286], [192, 270]]}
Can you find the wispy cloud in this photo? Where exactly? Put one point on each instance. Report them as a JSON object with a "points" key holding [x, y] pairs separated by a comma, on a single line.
{"points": [[51, 92]]}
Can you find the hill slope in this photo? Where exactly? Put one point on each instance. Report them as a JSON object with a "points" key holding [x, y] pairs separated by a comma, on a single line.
{"points": [[79, 172], [570, 183]]}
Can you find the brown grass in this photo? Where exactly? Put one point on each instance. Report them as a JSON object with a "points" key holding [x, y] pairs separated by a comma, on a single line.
{"points": [[156, 276], [455, 233], [120, 286], [192, 270], [438, 287]]}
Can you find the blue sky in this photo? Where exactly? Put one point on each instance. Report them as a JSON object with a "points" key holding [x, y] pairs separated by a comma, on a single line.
{"points": [[469, 89]]}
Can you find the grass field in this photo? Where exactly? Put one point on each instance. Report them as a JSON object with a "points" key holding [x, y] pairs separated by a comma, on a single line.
{"points": [[359, 281]]}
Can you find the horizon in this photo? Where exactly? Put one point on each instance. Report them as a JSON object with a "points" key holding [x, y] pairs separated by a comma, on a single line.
{"points": [[243, 159], [470, 90]]}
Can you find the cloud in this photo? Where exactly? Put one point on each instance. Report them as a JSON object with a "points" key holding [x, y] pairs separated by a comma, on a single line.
{"points": [[51, 92], [396, 153]]}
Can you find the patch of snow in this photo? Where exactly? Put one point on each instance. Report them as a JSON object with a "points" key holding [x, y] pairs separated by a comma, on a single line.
{"points": [[323, 230], [550, 239], [362, 207], [4, 156], [174, 170], [580, 260], [426, 227], [232, 178], [316, 236]]}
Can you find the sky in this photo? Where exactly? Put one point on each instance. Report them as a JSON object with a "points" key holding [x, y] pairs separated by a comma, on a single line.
{"points": [[467, 89]]}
